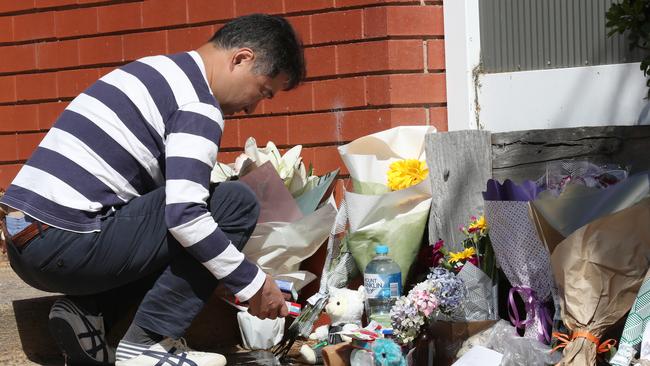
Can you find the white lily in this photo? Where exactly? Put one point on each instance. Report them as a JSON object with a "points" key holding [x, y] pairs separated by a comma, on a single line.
{"points": [[221, 173], [289, 166], [285, 165]]}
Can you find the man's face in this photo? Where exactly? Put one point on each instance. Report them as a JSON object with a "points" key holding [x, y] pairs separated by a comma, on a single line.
{"points": [[248, 88]]}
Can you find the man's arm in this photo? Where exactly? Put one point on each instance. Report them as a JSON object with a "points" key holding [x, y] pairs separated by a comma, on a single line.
{"points": [[191, 150]]}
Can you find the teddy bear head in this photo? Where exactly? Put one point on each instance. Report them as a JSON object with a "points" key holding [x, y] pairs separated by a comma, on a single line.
{"points": [[345, 305]]}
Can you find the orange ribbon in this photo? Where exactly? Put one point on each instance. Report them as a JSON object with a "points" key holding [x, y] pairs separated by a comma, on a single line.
{"points": [[564, 341]]}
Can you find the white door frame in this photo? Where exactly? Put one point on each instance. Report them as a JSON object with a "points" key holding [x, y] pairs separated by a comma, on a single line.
{"points": [[554, 98], [462, 57]]}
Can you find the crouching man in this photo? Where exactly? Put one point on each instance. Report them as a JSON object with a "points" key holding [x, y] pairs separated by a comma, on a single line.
{"points": [[118, 191]]}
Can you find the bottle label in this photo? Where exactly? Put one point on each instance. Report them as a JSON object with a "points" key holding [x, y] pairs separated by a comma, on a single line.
{"points": [[383, 285]]}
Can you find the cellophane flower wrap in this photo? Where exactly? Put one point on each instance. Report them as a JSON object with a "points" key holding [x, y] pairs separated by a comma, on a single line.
{"points": [[475, 265], [521, 254], [600, 245], [391, 195], [599, 269], [297, 208]]}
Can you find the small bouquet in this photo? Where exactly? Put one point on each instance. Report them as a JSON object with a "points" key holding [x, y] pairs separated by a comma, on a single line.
{"points": [[477, 238], [439, 296], [476, 245], [475, 265]]}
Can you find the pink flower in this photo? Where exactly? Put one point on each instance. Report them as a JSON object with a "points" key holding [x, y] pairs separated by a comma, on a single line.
{"points": [[438, 245], [473, 260], [425, 302]]}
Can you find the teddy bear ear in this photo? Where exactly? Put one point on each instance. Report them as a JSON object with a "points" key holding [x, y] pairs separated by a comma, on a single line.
{"points": [[362, 291], [331, 290]]}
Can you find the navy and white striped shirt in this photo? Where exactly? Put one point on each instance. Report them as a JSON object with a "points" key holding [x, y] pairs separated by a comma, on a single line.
{"points": [[150, 123]]}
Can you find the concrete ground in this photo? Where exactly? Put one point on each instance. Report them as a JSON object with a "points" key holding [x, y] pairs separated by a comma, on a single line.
{"points": [[25, 339]]}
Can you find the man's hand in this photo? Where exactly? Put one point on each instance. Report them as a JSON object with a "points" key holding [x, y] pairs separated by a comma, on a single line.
{"points": [[268, 302]]}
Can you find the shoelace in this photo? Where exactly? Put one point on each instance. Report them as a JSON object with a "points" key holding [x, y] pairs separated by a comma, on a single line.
{"points": [[181, 345]]}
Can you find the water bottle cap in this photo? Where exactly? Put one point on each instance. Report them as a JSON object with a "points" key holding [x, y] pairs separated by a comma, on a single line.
{"points": [[381, 249]]}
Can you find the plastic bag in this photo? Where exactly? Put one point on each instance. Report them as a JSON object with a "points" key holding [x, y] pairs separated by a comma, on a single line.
{"points": [[259, 334], [519, 350], [560, 173]]}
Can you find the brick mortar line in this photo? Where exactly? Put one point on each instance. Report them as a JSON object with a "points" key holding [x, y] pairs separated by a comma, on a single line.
{"points": [[378, 39], [67, 7], [67, 68], [311, 79], [182, 26], [372, 73], [12, 162], [288, 146], [347, 109], [284, 14], [36, 101], [368, 107], [22, 132], [351, 7], [425, 56]]}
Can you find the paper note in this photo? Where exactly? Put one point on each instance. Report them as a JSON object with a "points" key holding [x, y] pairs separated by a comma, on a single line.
{"points": [[479, 355]]}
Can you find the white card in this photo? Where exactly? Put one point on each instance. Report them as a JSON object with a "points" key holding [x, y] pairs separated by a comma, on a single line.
{"points": [[479, 355]]}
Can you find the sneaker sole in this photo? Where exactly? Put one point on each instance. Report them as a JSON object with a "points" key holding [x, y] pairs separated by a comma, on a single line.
{"points": [[66, 339]]}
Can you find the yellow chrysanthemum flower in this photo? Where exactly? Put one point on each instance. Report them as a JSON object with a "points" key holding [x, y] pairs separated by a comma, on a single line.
{"points": [[478, 225], [406, 173], [459, 256]]}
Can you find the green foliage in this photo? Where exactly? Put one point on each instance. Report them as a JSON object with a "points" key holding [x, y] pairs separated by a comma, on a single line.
{"points": [[633, 17]]}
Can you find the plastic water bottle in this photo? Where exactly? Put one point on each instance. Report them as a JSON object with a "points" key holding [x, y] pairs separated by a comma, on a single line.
{"points": [[383, 283]]}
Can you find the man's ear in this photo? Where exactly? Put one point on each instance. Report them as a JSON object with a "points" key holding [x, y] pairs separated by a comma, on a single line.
{"points": [[243, 56]]}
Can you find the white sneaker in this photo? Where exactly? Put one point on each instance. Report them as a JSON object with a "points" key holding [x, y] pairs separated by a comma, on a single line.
{"points": [[79, 335], [171, 352]]}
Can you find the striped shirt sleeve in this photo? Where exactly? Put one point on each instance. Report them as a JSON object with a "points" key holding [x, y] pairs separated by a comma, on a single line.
{"points": [[191, 148]]}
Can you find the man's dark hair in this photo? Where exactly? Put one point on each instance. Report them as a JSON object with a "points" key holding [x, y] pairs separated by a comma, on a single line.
{"points": [[277, 47]]}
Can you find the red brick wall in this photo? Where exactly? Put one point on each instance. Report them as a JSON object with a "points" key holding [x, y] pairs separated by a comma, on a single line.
{"points": [[372, 65]]}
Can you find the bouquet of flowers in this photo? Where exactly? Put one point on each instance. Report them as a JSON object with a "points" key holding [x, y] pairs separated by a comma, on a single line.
{"points": [[521, 254], [475, 265], [440, 295], [391, 195], [599, 242], [296, 208], [477, 238]]}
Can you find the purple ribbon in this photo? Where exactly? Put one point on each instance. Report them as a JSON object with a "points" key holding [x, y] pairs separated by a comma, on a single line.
{"points": [[534, 309]]}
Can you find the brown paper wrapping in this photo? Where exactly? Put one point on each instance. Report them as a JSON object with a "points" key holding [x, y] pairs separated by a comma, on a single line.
{"points": [[448, 338], [599, 270], [337, 354]]}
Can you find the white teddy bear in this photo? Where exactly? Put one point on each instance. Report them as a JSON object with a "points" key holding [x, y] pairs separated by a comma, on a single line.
{"points": [[345, 310]]}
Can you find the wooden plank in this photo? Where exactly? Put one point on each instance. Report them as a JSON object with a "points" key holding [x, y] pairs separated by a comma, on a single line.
{"points": [[459, 165], [525, 154]]}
